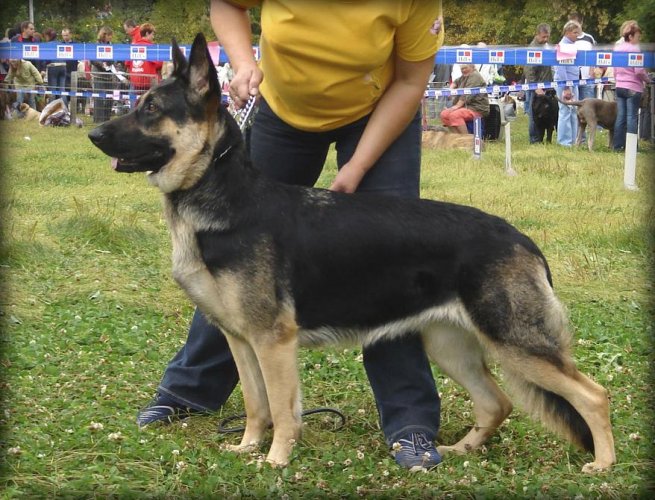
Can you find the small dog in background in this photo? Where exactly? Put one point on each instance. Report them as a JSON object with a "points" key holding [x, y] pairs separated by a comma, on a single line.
{"points": [[29, 113], [545, 111]]}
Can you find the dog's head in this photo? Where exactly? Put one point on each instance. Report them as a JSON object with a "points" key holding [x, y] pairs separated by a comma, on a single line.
{"points": [[173, 130], [24, 107], [544, 105]]}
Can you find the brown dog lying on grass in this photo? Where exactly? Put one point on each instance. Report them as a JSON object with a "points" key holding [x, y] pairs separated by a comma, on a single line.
{"points": [[443, 140]]}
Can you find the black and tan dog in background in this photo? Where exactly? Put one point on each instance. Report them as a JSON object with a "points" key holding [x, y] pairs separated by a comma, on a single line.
{"points": [[277, 267]]}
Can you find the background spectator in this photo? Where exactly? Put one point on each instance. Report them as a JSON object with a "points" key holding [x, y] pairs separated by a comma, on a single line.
{"points": [[24, 76], [143, 73], [133, 30], [466, 108], [536, 74], [567, 122], [584, 42], [629, 87], [103, 79]]}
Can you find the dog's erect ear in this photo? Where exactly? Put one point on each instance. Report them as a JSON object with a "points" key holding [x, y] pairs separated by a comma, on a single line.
{"points": [[179, 61], [202, 76]]}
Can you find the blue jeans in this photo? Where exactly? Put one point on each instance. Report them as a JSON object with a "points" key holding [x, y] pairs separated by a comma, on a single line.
{"points": [[22, 96], [532, 133], [567, 120], [587, 91], [627, 116], [57, 80], [202, 375]]}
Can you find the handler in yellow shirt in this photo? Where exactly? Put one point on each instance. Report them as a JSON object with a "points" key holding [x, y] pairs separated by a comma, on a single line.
{"points": [[350, 73]]}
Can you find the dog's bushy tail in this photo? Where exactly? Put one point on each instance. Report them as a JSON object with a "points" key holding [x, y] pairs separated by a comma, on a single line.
{"points": [[554, 411]]}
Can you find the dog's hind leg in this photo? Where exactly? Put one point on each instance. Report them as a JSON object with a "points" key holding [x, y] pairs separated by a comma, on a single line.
{"points": [[459, 355], [258, 415], [566, 401]]}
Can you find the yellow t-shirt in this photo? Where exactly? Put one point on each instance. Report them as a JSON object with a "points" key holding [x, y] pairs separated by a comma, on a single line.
{"points": [[326, 63]]}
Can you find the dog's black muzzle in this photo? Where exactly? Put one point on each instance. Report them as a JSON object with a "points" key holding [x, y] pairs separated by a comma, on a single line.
{"points": [[131, 150]]}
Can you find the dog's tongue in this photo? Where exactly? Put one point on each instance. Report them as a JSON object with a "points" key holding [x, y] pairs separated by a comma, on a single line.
{"points": [[114, 163]]}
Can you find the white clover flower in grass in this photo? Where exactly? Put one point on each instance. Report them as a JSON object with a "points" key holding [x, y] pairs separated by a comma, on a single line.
{"points": [[360, 455], [635, 436], [115, 436], [385, 473], [298, 476], [181, 465], [15, 450], [175, 453], [465, 464], [96, 426], [103, 389], [347, 462], [396, 446], [330, 463], [361, 411]]}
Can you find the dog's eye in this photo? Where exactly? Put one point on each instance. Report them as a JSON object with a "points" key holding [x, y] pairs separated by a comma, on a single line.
{"points": [[150, 107]]}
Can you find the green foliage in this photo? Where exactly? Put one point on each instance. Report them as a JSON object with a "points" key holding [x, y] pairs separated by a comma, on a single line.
{"points": [[514, 22], [181, 20], [510, 22]]}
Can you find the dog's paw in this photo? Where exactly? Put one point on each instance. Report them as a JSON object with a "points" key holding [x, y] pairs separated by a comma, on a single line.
{"points": [[277, 464], [241, 448], [444, 450], [595, 468]]}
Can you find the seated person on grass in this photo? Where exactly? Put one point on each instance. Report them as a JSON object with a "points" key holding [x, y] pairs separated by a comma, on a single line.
{"points": [[466, 108]]}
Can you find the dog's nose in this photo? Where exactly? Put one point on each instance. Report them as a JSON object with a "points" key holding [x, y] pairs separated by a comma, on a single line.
{"points": [[97, 135]]}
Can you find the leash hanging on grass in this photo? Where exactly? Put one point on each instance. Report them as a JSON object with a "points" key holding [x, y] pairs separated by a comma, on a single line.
{"points": [[224, 429]]}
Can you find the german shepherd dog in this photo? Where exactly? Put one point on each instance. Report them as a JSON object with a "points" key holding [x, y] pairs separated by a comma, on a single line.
{"points": [[276, 267]]}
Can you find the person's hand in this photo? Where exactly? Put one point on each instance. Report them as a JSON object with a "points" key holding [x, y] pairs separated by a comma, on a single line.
{"points": [[539, 91], [245, 84], [348, 178]]}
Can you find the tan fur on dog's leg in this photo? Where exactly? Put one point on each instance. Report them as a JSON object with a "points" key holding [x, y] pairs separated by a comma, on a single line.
{"points": [[278, 359], [258, 416], [459, 354], [587, 397]]}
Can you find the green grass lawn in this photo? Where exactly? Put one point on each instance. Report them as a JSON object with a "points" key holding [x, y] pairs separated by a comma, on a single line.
{"points": [[91, 316]]}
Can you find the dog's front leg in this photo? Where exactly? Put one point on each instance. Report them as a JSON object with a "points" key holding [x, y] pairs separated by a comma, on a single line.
{"points": [[278, 359], [258, 415]]}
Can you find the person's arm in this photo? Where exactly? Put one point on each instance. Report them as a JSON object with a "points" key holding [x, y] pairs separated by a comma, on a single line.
{"points": [[232, 27], [389, 119], [36, 74]]}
